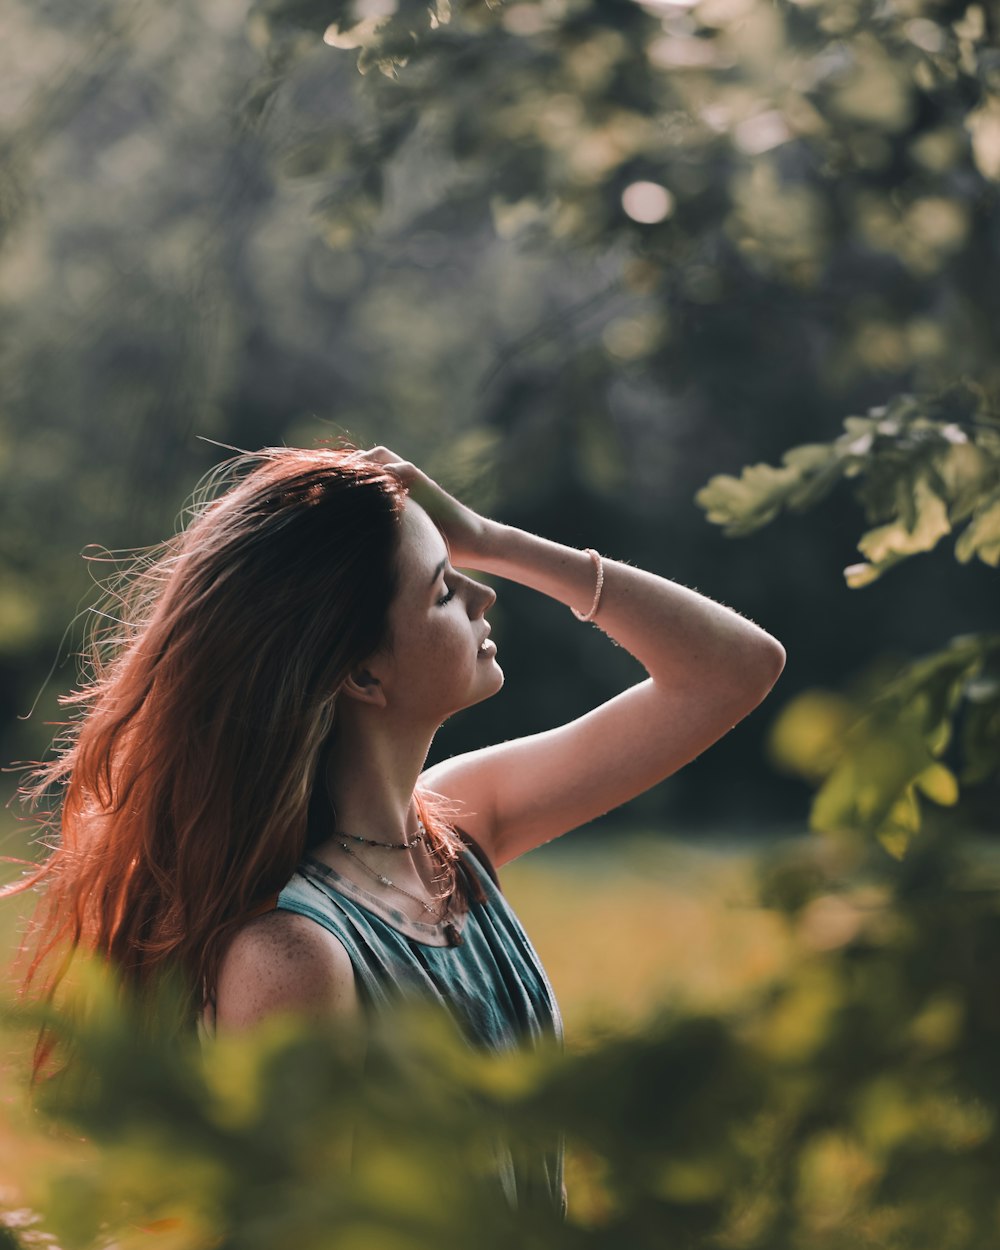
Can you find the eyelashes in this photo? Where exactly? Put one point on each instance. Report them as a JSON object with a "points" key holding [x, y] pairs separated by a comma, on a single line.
{"points": [[446, 598]]}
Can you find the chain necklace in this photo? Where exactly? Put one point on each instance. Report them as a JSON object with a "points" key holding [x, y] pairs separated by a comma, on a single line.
{"points": [[391, 884], [387, 846]]}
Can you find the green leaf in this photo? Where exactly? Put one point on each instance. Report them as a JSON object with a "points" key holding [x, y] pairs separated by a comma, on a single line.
{"points": [[889, 752], [939, 783], [859, 575], [886, 545], [895, 842], [904, 814], [981, 537], [750, 501], [981, 738], [807, 736], [965, 472]]}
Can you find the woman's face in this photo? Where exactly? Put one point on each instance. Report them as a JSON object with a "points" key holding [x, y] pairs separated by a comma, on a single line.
{"points": [[437, 663]]}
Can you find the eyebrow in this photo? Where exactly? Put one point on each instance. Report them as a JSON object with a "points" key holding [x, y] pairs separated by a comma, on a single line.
{"points": [[439, 570]]}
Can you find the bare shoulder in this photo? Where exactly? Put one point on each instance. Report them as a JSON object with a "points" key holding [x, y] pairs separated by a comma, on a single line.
{"points": [[283, 962]]}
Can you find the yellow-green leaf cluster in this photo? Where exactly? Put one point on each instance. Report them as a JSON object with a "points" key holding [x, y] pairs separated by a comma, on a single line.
{"points": [[921, 475], [875, 755]]}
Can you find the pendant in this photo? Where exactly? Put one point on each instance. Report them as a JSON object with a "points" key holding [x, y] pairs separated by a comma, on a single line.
{"points": [[453, 935]]}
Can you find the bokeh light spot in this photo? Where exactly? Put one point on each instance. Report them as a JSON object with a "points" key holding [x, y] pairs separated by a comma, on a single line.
{"points": [[647, 202]]}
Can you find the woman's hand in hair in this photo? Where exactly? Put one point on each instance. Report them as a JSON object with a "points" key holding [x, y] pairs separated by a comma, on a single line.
{"points": [[466, 532]]}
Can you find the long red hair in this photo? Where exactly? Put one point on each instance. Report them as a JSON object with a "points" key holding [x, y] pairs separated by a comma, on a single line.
{"points": [[184, 784]]}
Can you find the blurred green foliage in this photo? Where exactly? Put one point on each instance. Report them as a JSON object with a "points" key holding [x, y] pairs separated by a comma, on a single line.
{"points": [[920, 471], [878, 754], [853, 1102]]}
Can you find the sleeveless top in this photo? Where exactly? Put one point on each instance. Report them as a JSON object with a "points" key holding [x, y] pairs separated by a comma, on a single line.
{"points": [[491, 982]]}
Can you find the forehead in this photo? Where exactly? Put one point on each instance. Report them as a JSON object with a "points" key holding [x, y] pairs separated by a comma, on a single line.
{"points": [[421, 543]]}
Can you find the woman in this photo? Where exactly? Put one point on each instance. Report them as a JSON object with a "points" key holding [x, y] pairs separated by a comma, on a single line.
{"points": [[245, 797]]}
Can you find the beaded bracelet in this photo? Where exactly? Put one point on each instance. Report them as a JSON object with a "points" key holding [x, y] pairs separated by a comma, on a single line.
{"points": [[599, 563]]}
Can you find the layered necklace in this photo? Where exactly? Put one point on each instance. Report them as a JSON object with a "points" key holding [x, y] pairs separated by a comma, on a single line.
{"points": [[387, 846], [419, 836]]}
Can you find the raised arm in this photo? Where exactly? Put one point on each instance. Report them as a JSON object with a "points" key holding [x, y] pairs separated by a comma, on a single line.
{"points": [[708, 668], [680, 637]]}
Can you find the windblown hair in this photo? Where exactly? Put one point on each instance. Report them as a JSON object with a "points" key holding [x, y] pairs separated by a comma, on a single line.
{"points": [[183, 787]]}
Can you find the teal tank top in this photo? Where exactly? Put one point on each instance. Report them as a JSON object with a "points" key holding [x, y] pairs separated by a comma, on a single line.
{"points": [[482, 969]]}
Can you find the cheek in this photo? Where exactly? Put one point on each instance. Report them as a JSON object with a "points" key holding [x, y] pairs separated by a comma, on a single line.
{"points": [[455, 646], [441, 653], [453, 660]]}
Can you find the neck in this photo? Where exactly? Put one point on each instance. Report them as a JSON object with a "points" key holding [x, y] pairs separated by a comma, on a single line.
{"points": [[371, 775]]}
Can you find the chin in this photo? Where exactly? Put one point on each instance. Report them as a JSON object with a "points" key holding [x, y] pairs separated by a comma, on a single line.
{"points": [[494, 686]]}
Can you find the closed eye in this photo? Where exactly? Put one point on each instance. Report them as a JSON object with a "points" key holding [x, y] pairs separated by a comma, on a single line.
{"points": [[446, 598]]}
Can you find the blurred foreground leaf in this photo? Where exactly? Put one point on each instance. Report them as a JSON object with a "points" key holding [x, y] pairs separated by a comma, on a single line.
{"points": [[874, 757], [855, 1102]]}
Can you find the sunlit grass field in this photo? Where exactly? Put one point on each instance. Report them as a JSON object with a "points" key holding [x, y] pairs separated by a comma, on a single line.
{"points": [[637, 922]]}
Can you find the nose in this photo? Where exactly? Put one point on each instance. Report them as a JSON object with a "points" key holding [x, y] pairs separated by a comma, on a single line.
{"points": [[481, 598]]}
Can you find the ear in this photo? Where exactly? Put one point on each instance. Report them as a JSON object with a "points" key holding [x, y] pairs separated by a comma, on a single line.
{"points": [[364, 687]]}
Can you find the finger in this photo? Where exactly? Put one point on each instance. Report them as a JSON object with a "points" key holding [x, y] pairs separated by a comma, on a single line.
{"points": [[389, 458], [407, 473], [395, 464]]}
